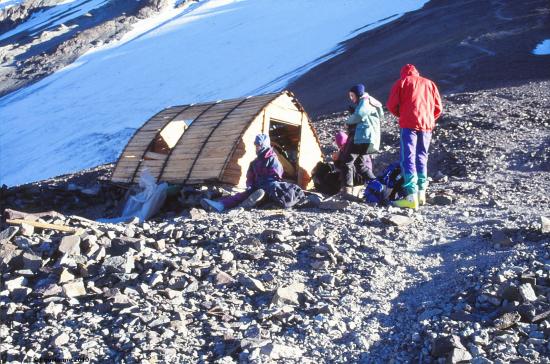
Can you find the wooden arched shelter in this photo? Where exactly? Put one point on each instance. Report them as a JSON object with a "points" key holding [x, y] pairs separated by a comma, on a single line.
{"points": [[213, 142]]}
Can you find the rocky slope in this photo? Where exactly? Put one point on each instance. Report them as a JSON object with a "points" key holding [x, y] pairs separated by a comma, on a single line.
{"points": [[464, 278]]}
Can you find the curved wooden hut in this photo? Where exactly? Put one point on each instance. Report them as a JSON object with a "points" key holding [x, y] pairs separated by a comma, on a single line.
{"points": [[213, 142]]}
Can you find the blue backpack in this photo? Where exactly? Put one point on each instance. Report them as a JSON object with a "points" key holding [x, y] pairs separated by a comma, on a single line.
{"points": [[386, 187]]}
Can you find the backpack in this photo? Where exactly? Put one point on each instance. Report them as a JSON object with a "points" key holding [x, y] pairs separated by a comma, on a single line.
{"points": [[326, 178], [388, 186]]}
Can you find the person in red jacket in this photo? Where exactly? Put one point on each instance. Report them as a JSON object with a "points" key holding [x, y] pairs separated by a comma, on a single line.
{"points": [[415, 100]]}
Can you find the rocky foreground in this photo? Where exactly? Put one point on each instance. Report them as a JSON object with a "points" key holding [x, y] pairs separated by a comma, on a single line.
{"points": [[464, 279]]}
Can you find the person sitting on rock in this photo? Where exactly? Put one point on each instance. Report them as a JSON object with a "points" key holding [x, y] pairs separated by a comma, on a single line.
{"points": [[262, 173], [364, 128], [415, 100]]}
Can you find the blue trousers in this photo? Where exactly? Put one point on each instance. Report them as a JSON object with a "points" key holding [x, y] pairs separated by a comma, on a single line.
{"points": [[414, 159]]}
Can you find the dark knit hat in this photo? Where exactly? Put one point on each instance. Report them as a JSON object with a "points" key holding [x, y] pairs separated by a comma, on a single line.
{"points": [[358, 90]]}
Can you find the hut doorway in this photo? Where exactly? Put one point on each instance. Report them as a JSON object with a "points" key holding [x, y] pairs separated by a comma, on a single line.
{"points": [[285, 139]]}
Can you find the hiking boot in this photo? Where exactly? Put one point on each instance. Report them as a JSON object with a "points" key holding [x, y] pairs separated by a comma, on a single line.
{"points": [[359, 191], [421, 197], [409, 202], [211, 205], [253, 199]]}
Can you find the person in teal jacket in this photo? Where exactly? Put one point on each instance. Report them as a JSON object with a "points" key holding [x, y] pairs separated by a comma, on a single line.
{"points": [[364, 130]]}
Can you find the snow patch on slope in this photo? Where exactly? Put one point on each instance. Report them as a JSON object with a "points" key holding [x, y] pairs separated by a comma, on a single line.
{"points": [[211, 50], [543, 48]]}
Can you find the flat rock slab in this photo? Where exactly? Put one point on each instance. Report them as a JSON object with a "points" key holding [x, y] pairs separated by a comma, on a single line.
{"points": [[15, 283], [222, 278], [507, 320], [333, 205], [289, 294], [118, 264], [278, 351], [70, 244], [252, 283], [444, 345], [8, 233], [545, 225], [74, 289], [32, 262], [442, 200], [527, 292], [7, 252], [459, 355], [397, 220]]}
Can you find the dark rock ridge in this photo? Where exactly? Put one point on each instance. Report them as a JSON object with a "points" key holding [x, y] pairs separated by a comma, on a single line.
{"points": [[461, 45]]}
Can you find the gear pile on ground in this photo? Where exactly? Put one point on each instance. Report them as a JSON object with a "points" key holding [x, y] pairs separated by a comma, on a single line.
{"points": [[464, 278]]}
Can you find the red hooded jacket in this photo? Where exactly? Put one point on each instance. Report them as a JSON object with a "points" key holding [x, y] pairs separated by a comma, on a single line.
{"points": [[415, 100]]}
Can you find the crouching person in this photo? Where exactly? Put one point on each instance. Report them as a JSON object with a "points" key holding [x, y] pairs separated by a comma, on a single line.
{"points": [[263, 171]]}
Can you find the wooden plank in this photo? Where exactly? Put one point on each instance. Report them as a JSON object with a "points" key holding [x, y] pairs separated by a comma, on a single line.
{"points": [[125, 172], [128, 162], [156, 156], [41, 225], [130, 154], [210, 160], [191, 140], [136, 148], [127, 168], [153, 171], [123, 177], [130, 157], [152, 162], [199, 134], [121, 180], [209, 153], [178, 166], [145, 137], [191, 146], [231, 120], [122, 170]]}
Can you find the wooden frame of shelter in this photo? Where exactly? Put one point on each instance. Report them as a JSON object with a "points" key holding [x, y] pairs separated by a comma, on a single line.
{"points": [[214, 142]]}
